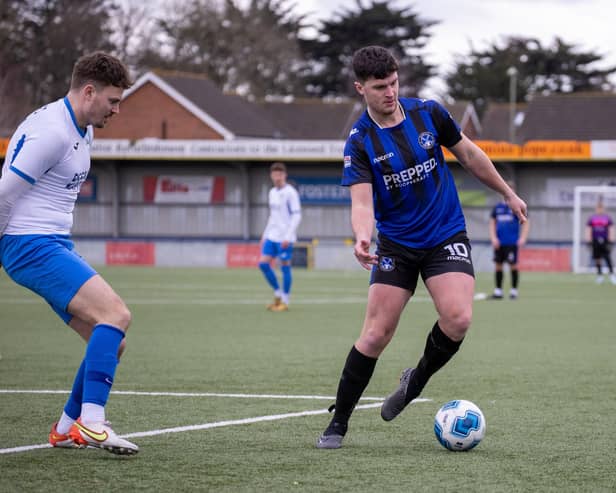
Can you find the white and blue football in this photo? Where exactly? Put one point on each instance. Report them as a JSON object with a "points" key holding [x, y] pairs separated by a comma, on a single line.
{"points": [[459, 425]]}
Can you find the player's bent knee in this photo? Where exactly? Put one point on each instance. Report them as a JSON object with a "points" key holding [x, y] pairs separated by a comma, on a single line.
{"points": [[375, 341], [120, 316], [457, 324], [126, 318]]}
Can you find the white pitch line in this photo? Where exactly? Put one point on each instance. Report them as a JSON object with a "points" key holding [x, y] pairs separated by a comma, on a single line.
{"points": [[25, 448], [245, 421], [204, 426], [192, 394], [239, 396]]}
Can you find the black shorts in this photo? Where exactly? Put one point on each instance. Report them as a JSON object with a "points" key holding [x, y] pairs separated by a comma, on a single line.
{"points": [[506, 253], [400, 265], [600, 249]]}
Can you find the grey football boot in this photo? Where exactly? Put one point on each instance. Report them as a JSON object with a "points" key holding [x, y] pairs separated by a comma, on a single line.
{"points": [[332, 436], [330, 441], [396, 402]]}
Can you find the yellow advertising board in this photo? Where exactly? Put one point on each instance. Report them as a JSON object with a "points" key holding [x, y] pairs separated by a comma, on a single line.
{"points": [[496, 150], [556, 149], [4, 143], [534, 150]]}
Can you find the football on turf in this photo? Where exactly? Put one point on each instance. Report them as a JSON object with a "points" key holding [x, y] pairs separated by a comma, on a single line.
{"points": [[459, 425]]}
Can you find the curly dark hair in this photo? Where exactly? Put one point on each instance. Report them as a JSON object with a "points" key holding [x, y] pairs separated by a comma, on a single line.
{"points": [[100, 68], [373, 61]]}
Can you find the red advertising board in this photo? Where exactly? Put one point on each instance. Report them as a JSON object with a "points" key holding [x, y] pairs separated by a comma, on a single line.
{"points": [[243, 255], [545, 259], [129, 253], [190, 189]]}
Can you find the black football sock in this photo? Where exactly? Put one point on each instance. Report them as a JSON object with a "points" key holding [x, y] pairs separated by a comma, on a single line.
{"points": [[356, 374], [438, 351], [499, 279], [608, 261], [514, 278]]}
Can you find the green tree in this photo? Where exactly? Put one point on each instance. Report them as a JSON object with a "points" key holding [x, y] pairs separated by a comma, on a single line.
{"points": [[13, 98], [482, 75], [252, 50], [330, 52], [41, 40]]}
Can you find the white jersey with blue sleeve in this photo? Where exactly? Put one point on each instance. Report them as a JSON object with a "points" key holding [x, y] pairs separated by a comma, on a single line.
{"points": [[52, 153], [285, 215]]}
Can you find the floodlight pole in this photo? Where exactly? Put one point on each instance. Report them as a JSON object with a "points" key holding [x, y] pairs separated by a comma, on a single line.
{"points": [[512, 72]]}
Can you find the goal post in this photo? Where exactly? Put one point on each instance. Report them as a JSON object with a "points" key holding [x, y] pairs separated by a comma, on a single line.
{"points": [[585, 200]]}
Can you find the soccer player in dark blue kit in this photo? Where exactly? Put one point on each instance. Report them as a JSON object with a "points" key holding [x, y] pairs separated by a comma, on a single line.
{"points": [[394, 166], [507, 235]]}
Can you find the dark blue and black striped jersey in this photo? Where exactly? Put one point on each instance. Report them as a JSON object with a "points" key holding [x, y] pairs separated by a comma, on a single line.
{"points": [[507, 225], [415, 199]]}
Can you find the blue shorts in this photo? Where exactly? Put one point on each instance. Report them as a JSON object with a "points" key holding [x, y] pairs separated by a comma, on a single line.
{"points": [[274, 249], [47, 265]]}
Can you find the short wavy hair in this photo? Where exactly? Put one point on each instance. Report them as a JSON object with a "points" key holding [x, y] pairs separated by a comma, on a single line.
{"points": [[373, 61], [100, 68]]}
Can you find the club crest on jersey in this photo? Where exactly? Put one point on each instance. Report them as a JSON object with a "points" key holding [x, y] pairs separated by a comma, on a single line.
{"points": [[426, 140], [347, 161], [386, 264]]}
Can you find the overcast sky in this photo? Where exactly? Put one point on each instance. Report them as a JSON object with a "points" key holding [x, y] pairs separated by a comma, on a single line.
{"points": [[590, 24]]}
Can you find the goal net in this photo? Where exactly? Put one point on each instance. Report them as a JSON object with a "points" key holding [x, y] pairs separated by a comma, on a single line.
{"points": [[585, 200]]}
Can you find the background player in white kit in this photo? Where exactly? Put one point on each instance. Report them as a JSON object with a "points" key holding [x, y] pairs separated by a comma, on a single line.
{"points": [[47, 160], [279, 235]]}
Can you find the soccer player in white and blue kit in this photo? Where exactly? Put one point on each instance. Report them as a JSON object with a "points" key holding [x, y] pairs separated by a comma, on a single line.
{"points": [[279, 236], [47, 160], [398, 177]]}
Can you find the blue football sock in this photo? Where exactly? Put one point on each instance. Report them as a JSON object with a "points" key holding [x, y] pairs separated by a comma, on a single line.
{"points": [[287, 279], [270, 277], [73, 406], [101, 361]]}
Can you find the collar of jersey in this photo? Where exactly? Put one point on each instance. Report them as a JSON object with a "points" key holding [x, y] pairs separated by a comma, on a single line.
{"points": [[375, 122], [82, 131]]}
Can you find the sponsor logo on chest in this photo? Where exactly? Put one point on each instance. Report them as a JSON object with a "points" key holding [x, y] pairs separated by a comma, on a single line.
{"points": [[409, 176]]}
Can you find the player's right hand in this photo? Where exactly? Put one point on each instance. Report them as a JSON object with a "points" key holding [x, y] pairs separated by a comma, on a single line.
{"points": [[363, 255]]}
